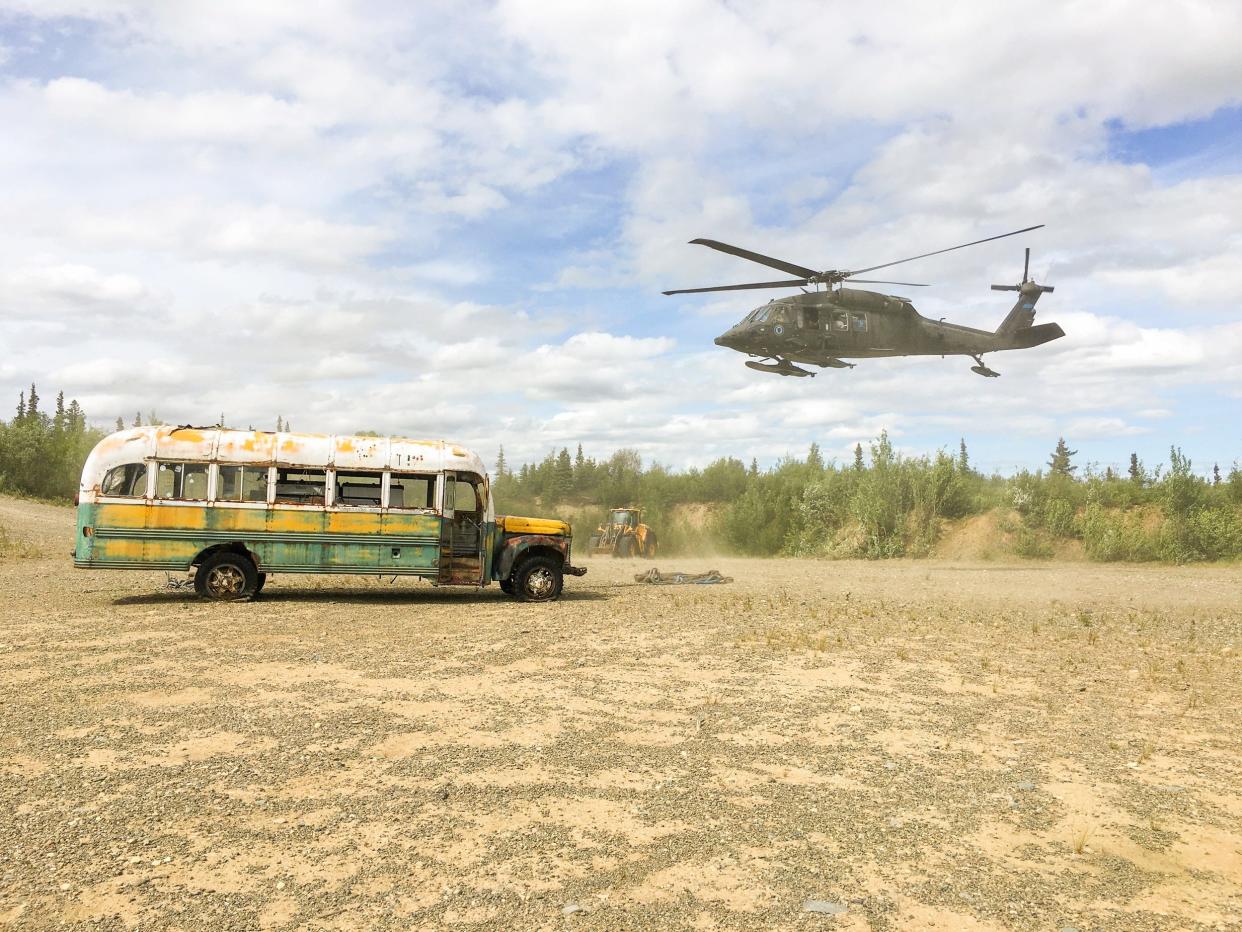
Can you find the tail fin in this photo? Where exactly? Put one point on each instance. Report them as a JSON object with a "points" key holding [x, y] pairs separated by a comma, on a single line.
{"points": [[1023, 313]]}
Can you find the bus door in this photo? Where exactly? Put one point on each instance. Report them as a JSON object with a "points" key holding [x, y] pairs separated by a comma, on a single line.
{"points": [[461, 531]]}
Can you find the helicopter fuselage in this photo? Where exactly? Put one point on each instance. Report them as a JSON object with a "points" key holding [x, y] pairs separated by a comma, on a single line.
{"points": [[847, 323]]}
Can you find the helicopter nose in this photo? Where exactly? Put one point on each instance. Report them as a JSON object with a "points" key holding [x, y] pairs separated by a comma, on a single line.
{"points": [[726, 339]]}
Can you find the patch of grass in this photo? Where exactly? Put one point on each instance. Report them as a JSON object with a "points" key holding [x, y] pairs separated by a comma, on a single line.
{"points": [[1079, 838], [11, 549]]}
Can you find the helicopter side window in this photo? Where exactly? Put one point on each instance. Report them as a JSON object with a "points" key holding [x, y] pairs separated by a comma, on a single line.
{"points": [[763, 315], [858, 323], [840, 321], [810, 318]]}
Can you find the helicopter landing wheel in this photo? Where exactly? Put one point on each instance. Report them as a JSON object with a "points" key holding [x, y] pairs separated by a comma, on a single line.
{"points": [[983, 370]]}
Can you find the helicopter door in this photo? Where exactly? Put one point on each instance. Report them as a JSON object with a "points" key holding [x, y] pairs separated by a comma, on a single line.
{"points": [[461, 531]]}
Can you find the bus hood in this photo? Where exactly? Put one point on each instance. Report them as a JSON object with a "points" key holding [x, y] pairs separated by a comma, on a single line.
{"points": [[548, 526]]}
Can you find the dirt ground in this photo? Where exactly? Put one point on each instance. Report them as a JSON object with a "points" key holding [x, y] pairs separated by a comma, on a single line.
{"points": [[897, 745]]}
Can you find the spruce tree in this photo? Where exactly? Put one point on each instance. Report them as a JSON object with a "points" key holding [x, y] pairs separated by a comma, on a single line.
{"points": [[858, 457], [138, 419], [963, 460], [120, 423], [501, 466], [1137, 475], [815, 459], [1216, 474], [1059, 464]]}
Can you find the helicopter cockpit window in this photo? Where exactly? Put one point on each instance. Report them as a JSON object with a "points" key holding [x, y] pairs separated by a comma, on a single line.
{"points": [[763, 315], [858, 323]]}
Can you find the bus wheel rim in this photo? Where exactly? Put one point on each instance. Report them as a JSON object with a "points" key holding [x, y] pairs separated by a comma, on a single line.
{"points": [[225, 580], [540, 582]]}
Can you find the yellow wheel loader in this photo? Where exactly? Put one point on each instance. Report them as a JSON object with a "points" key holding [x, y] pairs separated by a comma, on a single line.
{"points": [[624, 535]]}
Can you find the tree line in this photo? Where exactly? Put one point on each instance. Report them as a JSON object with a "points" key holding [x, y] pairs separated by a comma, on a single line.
{"points": [[885, 504], [880, 504]]}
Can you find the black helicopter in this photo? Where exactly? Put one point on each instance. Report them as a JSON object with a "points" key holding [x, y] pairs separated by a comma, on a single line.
{"points": [[823, 328]]}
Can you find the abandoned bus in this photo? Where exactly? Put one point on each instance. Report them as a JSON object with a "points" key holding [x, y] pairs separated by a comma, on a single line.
{"points": [[232, 507]]}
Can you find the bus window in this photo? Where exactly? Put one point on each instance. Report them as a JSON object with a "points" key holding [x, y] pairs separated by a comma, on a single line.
{"points": [[298, 486], [411, 491], [462, 494], [358, 489], [181, 481], [242, 484], [128, 481]]}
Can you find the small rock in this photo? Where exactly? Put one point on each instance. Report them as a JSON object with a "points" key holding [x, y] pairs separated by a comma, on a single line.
{"points": [[570, 908], [280, 885], [823, 906], [855, 708], [1068, 929], [1133, 674], [1026, 785], [889, 765], [64, 886]]}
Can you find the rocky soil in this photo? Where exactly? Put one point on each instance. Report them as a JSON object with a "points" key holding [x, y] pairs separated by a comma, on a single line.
{"points": [[814, 745]]}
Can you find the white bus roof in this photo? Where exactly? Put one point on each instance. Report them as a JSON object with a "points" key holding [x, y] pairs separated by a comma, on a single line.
{"points": [[139, 444]]}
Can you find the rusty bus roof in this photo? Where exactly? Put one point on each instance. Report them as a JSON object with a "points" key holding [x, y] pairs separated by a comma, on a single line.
{"points": [[187, 443]]}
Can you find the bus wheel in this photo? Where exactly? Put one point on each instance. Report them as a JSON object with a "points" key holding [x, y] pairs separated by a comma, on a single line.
{"points": [[506, 586], [261, 581], [538, 579], [226, 577]]}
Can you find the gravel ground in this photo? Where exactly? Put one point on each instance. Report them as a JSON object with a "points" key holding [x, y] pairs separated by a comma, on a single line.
{"points": [[814, 745]]}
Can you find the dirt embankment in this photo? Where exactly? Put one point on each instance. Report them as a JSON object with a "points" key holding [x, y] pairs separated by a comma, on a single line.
{"points": [[907, 744]]}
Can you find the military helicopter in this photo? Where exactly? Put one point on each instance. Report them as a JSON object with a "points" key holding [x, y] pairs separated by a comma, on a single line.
{"points": [[825, 327]]}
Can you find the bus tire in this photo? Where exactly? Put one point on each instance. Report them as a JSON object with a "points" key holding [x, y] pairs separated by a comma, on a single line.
{"points": [[260, 582], [506, 586], [226, 576], [538, 579]]}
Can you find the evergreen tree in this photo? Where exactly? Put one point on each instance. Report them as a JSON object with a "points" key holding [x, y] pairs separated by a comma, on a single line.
{"points": [[858, 457], [815, 459], [963, 459], [754, 467], [501, 466], [120, 423], [21, 409], [1137, 475], [138, 419], [562, 478], [1216, 474], [1059, 464], [1109, 475], [32, 404]]}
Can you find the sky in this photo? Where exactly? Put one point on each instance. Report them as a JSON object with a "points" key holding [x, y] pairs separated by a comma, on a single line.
{"points": [[455, 219]]}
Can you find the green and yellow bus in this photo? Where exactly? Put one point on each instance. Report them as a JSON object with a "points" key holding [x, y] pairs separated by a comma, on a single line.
{"points": [[232, 507]]}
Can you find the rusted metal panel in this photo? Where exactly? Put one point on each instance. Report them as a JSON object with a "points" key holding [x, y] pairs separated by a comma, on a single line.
{"points": [[512, 549]]}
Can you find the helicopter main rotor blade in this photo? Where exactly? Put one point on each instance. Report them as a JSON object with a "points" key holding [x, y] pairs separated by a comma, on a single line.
{"points": [[939, 251], [757, 257], [877, 281], [792, 283]]}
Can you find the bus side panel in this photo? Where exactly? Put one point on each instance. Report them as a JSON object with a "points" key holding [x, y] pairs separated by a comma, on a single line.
{"points": [[411, 543], [352, 542], [120, 539], [299, 544], [175, 534]]}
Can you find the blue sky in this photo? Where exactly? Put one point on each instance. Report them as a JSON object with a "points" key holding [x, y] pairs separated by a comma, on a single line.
{"points": [[456, 219]]}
